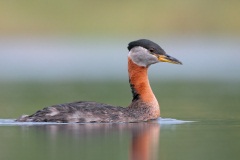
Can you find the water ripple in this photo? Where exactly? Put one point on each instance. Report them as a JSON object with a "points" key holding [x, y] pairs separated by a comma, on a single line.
{"points": [[12, 122]]}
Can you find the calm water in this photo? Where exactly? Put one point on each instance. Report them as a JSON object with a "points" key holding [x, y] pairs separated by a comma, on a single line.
{"points": [[169, 139], [208, 93]]}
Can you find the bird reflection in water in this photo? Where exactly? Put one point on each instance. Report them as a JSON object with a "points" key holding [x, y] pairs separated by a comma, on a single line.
{"points": [[144, 141]]}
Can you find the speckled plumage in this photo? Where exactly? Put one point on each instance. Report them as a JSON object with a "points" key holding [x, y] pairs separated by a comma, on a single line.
{"points": [[89, 112]]}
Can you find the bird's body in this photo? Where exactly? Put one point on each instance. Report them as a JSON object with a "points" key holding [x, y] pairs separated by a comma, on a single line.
{"points": [[144, 106], [89, 112]]}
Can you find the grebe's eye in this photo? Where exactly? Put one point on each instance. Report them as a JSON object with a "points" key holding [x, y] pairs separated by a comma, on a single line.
{"points": [[151, 50]]}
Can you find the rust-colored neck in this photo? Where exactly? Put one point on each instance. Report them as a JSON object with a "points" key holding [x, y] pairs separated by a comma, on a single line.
{"points": [[138, 79]]}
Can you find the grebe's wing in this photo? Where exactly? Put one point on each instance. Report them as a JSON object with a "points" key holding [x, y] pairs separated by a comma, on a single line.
{"points": [[79, 112]]}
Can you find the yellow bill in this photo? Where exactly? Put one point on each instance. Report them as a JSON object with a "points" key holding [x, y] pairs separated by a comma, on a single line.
{"points": [[169, 59]]}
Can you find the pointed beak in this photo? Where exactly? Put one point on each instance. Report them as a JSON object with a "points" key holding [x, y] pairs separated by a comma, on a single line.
{"points": [[169, 59]]}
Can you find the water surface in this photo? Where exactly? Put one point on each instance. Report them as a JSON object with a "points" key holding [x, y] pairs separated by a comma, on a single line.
{"points": [[139, 141], [36, 73]]}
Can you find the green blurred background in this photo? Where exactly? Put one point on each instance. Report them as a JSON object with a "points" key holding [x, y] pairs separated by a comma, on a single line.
{"points": [[119, 18], [56, 51]]}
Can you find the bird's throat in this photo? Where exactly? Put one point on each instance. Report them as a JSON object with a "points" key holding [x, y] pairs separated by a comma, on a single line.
{"points": [[138, 79]]}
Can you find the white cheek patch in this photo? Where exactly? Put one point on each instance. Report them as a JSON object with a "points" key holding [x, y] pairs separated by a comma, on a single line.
{"points": [[142, 57]]}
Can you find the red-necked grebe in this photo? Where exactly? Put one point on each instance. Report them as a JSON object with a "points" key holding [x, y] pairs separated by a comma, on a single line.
{"points": [[144, 106]]}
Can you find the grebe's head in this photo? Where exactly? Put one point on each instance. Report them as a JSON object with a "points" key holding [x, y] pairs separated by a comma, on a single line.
{"points": [[144, 52]]}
